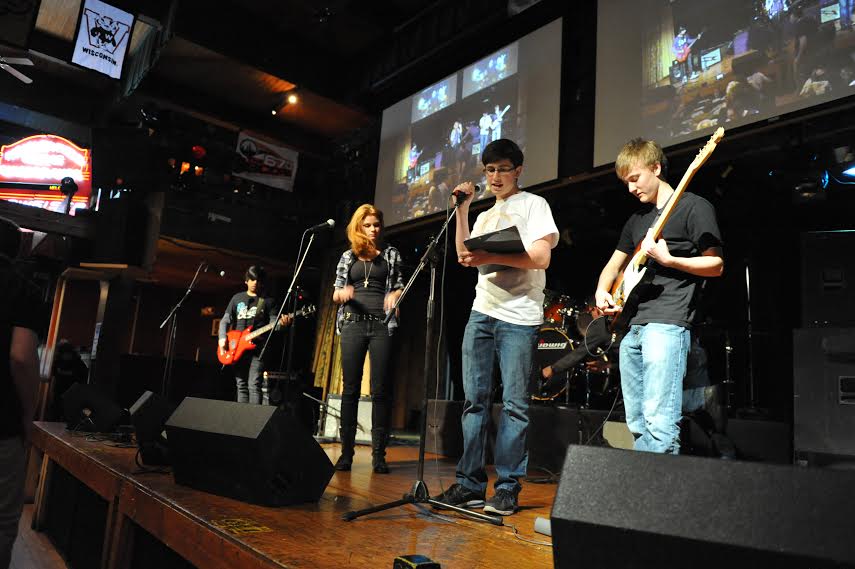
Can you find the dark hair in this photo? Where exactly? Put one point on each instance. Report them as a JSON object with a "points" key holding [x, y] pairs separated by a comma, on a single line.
{"points": [[10, 239], [255, 273], [502, 149]]}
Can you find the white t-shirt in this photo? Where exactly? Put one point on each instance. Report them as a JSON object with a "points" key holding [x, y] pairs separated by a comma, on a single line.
{"points": [[515, 295]]}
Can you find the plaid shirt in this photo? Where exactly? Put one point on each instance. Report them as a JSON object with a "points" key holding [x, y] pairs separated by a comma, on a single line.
{"points": [[394, 280]]}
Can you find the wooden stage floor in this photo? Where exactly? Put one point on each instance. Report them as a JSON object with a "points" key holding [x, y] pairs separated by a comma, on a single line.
{"points": [[194, 523]]}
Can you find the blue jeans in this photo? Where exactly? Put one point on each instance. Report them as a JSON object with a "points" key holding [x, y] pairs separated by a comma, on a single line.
{"points": [[484, 338], [249, 379], [652, 365], [845, 13]]}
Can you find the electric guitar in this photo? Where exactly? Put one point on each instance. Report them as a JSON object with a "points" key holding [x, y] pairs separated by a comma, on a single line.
{"points": [[682, 54], [625, 291], [240, 341]]}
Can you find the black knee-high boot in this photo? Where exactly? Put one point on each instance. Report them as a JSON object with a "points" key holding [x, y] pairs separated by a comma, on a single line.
{"points": [[345, 461], [347, 432], [379, 438]]}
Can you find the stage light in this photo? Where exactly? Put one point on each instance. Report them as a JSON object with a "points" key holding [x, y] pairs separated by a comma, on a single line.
{"points": [[283, 100], [849, 171]]}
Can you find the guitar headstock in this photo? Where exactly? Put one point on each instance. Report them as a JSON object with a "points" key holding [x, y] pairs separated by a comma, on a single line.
{"points": [[704, 153], [307, 310]]}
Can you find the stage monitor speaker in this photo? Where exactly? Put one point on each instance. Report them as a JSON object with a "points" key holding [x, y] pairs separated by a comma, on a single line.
{"points": [[616, 508], [254, 453], [86, 408], [824, 391], [828, 279], [148, 416]]}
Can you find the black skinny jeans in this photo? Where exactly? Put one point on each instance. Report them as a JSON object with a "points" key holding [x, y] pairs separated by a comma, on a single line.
{"points": [[357, 338]]}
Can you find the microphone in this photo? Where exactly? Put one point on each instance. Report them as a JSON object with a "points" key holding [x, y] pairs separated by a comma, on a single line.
{"points": [[214, 269], [463, 196], [328, 224]]}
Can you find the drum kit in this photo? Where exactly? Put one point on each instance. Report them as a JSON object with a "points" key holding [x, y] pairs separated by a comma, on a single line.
{"points": [[591, 383]]}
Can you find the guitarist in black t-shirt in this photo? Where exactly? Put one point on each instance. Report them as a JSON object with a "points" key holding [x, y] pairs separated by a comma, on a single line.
{"points": [[654, 350], [20, 309], [247, 309]]}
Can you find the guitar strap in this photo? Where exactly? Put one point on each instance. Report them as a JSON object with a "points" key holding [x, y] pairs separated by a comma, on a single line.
{"points": [[259, 309]]}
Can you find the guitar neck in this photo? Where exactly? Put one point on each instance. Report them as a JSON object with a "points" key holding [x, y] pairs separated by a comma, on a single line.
{"points": [[260, 331], [672, 203], [699, 161]]}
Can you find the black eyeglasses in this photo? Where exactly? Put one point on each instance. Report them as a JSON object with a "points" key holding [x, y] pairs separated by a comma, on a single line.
{"points": [[500, 170]]}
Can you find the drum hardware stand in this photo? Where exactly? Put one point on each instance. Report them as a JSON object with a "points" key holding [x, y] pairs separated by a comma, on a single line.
{"points": [[419, 494], [728, 372], [752, 409]]}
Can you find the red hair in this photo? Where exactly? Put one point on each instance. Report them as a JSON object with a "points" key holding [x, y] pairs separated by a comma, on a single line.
{"points": [[359, 242]]}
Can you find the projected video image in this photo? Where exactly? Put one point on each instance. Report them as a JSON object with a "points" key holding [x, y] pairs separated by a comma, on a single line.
{"points": [[490, 70], [445, 149], [731, 62], [435, 98], [427, 148], [685, 67]]}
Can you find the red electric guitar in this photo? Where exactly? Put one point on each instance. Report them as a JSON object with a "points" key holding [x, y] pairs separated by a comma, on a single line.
{"points": [[624, 291], [240, 341], [682, 54]]}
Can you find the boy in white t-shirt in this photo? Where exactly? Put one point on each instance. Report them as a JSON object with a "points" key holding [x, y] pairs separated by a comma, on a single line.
{"points": [[506, 314]]}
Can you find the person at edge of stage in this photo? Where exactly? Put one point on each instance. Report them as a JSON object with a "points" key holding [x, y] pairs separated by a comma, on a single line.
{"points": [[19, 383], [367, 285], [247, 309], [505, 316], [654, 350]]}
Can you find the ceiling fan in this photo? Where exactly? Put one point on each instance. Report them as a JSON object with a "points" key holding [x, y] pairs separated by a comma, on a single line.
{"points": [[7, 63]]}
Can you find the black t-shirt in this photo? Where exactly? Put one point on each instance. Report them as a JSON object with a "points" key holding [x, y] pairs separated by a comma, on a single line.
{"points": [[244, 311], [691, 229], [368, 299], [20, 306]]}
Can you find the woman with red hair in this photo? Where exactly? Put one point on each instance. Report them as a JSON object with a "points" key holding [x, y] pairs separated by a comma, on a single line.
{"points": [[368, 283]]}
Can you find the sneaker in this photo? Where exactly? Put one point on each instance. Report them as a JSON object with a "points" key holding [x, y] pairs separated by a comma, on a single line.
{"points": [[461, 496], [504, 503]]}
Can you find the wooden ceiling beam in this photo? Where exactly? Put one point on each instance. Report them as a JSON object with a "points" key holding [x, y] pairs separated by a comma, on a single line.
{"points": [[265, 48], [207, 108]]}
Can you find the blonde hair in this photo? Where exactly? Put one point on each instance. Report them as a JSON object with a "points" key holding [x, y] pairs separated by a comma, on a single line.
{"points": [[639, 151], [359, 243]]}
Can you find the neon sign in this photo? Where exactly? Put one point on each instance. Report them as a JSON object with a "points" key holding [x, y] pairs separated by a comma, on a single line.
{"points": [[45, 159]]}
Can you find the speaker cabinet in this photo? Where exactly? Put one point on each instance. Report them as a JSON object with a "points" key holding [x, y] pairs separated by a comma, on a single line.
{"points": [[828, 278], [86, 408], [254, 453], [332, 423], [148, 416], [824, 391], [617, 508]]}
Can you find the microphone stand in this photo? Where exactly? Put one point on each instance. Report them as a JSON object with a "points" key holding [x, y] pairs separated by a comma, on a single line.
{"points": [[419, 494], [288, 294], [172, 333]]}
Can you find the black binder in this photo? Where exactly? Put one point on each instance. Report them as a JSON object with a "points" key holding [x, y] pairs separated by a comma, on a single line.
{"points": [[502, 241]]}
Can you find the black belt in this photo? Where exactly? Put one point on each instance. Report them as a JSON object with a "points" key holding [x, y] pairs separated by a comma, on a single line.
{"points": [[351, 317]]}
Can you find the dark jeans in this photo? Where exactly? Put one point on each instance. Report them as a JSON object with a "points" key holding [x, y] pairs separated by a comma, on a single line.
{"points": [[248, 377], [357, 339]]}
